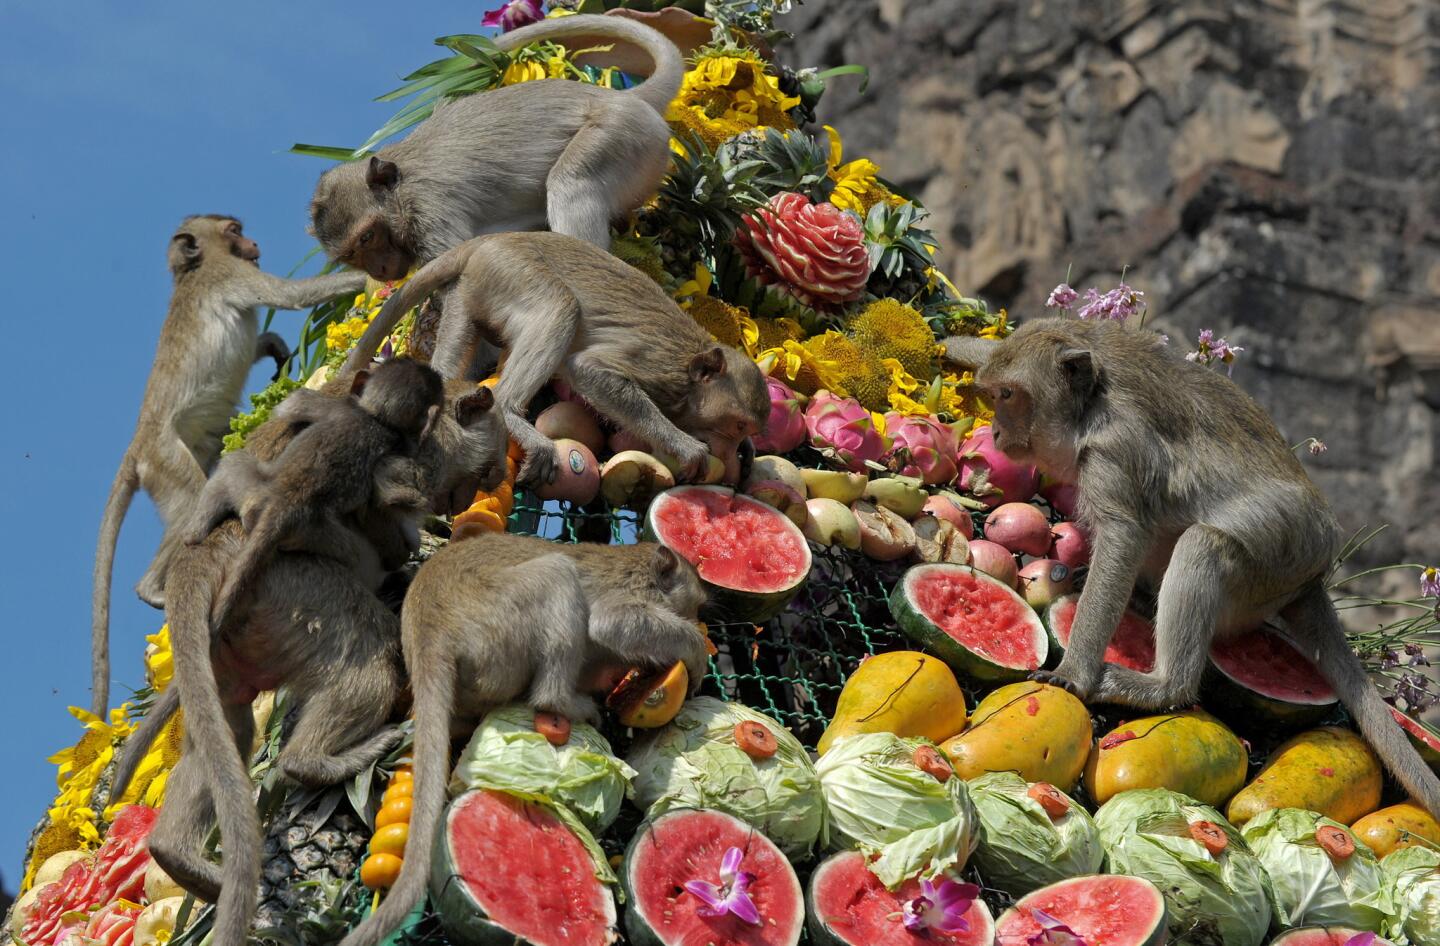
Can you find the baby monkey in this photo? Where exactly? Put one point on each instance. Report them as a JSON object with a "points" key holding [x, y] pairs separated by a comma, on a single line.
{"points": [[495, 617], [352, 453]]}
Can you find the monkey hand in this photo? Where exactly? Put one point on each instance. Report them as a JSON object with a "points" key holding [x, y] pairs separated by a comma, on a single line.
{"points": [[540, 467], [693, 458], [1063, 681]]}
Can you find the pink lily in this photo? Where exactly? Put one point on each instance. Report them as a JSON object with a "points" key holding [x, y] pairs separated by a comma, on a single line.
{"points": [[1052, 932], [731, 895], [941, 906]]}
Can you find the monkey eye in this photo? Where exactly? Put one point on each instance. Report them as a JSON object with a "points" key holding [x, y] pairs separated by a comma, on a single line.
{"points": [[1005, 394], [366, 237]]}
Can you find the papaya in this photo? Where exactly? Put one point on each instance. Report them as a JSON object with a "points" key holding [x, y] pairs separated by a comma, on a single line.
{"points": [[1040, 731], [1330, 770], [1190, 752], [1402, 825], [903, 692]]}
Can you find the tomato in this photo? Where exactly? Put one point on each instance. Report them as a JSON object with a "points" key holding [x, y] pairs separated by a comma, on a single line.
{"points": [[390, 839], [379, 871], [396, 790], [755, 739], [1050, 798], [932, 762], [395, 811]]}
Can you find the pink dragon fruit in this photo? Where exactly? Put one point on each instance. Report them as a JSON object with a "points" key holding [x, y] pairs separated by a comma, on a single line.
{"points": [[841, 425], [921, 446], [786, 428], [990, 476]]}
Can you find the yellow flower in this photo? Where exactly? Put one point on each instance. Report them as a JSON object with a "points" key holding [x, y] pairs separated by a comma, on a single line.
{"points": [[698, 286], [1000, 329], [891, 329], [806, 371], [159, 661], [857, 187], [522, 71], [726, 93]]}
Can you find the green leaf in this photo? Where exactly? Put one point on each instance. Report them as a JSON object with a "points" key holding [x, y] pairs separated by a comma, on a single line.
{"points": [[850, 70], [325, 151]]}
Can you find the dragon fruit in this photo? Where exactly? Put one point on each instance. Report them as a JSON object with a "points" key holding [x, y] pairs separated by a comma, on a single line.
{"points": [[923, 447], [786, 428], [990, 476], [841, 425]]}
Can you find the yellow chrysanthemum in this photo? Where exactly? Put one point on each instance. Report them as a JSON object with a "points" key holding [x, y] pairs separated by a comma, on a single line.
{"points": [[857, 372], [801, 368], [857, 187], [726, 93], [159, 660], [524, 71], [52, 840], [891, 329], [341, 336]]}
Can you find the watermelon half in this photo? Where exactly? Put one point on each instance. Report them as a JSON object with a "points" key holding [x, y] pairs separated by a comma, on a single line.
{"points": [[1323, 936], [1260, 674], [1100, 908], [849, 906], [689, 844], [1422, 737], [975, 623], [508, 871], [1133, 644], [750, 556]]}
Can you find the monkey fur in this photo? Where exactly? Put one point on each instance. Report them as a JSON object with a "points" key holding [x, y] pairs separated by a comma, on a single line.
{"points": [[496, 617], [561, 307], [206, 348], [1185, 484], [570, 154]]}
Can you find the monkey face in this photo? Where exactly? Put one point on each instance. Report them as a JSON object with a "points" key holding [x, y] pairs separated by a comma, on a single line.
{"points": [[1039, 387], [728, 400], [240, 245], [374, 249], [209, 236]]}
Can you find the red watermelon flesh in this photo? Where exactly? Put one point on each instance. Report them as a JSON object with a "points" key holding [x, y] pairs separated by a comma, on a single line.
{"points": [[732, 540], [1133, 644], [528, 871], [689, 844], [1267, 663], [857, 910], [1103, 910], [1323, 936], [982, 615], [118, 872], [113, 925]]}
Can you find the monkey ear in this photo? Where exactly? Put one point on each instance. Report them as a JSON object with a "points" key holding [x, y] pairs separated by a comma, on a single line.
{"points": [[184, 251], [666, 562], [432, 413], [469, 407], [357, 383], [381, 174], [1082, 370], [709, 364]]}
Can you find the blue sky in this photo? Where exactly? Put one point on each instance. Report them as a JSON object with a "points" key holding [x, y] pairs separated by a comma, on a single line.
{"points": [[120, 120]]}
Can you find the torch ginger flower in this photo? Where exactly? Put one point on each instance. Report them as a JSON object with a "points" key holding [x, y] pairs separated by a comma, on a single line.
{"points": [[814, 252]]}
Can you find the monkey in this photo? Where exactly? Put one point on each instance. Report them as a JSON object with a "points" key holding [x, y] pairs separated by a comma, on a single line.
{"points": [[499, 616], [1184, 483], [328, 469], [568, 154], [206, 347], [311, 623], [556, 304]]}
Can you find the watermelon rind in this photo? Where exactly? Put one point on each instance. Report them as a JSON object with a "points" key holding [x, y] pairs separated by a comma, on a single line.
{"points": [[930, 636], [823, 932], [1322, 936], [755, 607], [1422, 737], [1244, 706], [1051, 618], [640, 929], [461, 915], [1148, 927]]}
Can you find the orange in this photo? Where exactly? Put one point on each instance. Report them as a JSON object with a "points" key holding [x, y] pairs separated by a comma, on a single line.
{"points": [[379, 871], [390, 839], [403, 789], [395, 811]]}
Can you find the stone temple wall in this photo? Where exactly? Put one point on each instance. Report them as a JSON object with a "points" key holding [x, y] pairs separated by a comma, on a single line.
{"points": [[1266, 168]]}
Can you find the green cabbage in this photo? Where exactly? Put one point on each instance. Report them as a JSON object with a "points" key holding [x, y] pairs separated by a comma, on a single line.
{"points": [[1020, 848], [1412, 874], [1210, 900], [583, 775], [1311, 889], [694, 763], [881, 803]]}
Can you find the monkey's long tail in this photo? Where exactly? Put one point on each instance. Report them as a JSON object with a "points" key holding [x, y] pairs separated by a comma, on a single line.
{"points": [[441, 271], [122, 491], [666, 66], [138, 743], [433, 703], [1314, 612], [188, 612]]}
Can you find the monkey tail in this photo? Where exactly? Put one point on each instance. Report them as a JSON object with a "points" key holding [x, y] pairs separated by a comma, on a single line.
{"points": [[122, 491], [1314, 612], [139, 741], [188, 612], [667, 66], [433, 703], [441, 271]]}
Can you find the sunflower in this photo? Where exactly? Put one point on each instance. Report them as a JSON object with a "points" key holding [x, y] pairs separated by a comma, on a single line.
{"points": [[728, 92], [857, 184]]}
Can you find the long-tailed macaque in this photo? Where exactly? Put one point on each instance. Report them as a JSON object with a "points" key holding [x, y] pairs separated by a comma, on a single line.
{"points": [[207, 345]]}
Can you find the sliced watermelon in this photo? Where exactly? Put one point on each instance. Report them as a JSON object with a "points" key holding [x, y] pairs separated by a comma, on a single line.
{"points": [[1323, 936], [1260, 673], [1104, 909], [1425, 740], [973, 622], [751, 557], [849, 906], [509, 871], [1132, 645], [689, 844]]}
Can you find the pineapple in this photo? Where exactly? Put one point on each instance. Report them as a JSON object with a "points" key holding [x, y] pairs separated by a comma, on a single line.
{"points": [[308, 886]]}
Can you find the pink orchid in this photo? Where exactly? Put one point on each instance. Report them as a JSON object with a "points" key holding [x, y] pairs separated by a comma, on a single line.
{"points": [[1062, 297], [1118, 304], [1052, 932], [941, 906], [731, 895], [1361, 939], [514, 14], [842, 426]]}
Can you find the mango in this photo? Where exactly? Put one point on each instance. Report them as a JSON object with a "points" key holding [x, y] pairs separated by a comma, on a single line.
{"points": [[1330, 770], [1040, 731], [1402, 825], [1191, 753], [903, 692]]}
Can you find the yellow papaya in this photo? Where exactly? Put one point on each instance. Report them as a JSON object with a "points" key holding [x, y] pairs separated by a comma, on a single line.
{"points": [[1402, 825], [903, 692], [1040, 731], [1192, 753], [1330, 770]]}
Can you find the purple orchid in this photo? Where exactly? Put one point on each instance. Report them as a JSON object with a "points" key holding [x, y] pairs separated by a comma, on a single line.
{"points": [[731, 895], [1053, 932], [1430, 583], [1361, 939], [942, 906], [514, 14], [1062, 297]]}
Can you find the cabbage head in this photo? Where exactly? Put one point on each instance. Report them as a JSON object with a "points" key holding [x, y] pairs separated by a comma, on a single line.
{"points": [[1311, 888], [882, 803], [1211, 899], [583, 775], [1021, 849], [1412, 875], [694, 762]]}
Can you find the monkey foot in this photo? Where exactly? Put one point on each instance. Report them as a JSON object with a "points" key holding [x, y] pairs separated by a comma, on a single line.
{"points": [[1055, 679]]}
